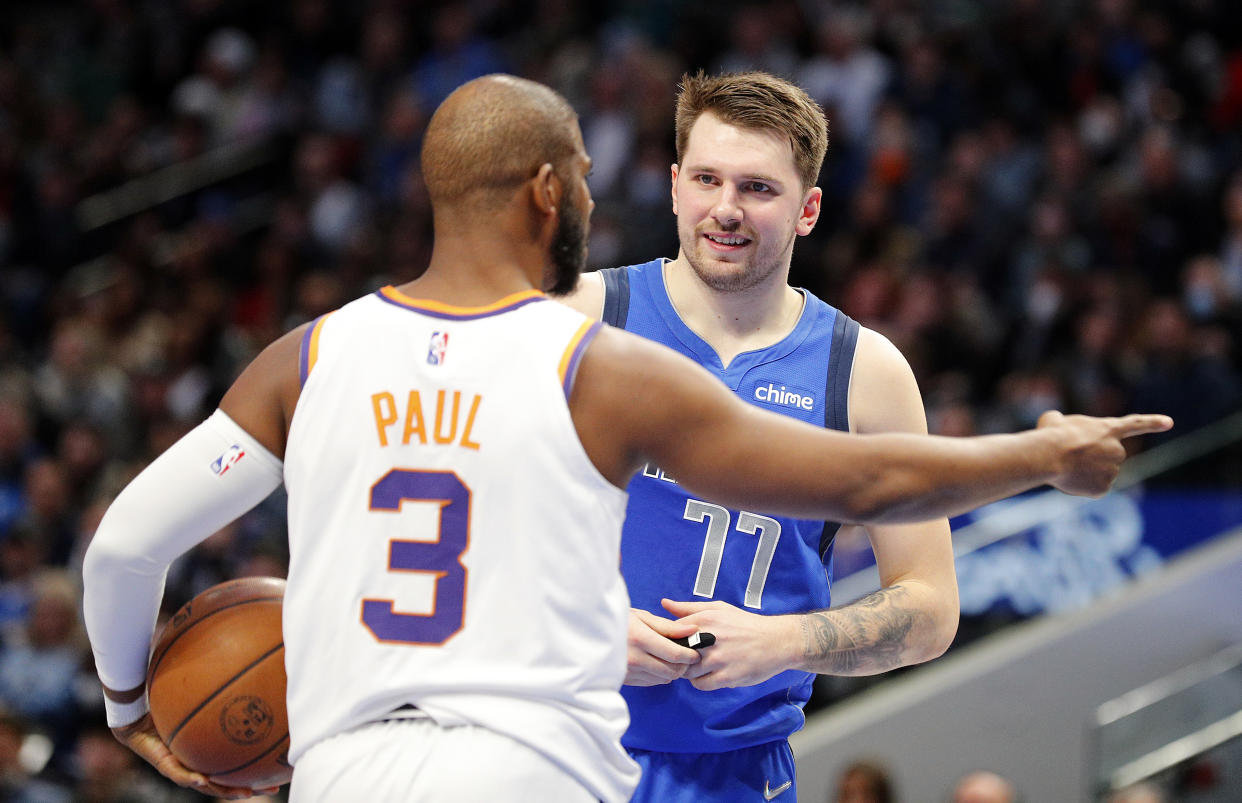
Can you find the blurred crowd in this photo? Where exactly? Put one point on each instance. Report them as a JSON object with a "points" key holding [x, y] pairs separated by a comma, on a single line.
{"points": [[1198, 780], [1038, 201]]}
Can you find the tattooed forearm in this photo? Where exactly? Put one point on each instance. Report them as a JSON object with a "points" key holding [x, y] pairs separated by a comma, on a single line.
{"points": [[869, 636]]}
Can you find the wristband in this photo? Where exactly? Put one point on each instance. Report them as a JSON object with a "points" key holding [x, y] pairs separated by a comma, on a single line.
{"points": [[122, 714]]}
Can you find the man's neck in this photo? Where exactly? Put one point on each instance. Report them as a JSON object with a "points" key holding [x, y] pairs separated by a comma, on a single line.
{"points": [[733, 322], [463, 287], [473, 269]]}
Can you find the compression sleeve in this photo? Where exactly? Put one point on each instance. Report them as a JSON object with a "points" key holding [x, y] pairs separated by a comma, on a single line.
{"points": [[208, 478]]}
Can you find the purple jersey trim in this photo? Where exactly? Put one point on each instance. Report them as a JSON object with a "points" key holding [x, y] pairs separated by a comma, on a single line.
{"points": [[309, 351], [571, 369], [436, 309]]}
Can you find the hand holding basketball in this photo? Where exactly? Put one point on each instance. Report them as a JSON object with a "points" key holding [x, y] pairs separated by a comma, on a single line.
{"points": [[216, 685], [143, 739]]}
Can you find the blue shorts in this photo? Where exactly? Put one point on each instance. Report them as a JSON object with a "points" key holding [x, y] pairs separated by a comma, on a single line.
{"points": [[763, 772]]}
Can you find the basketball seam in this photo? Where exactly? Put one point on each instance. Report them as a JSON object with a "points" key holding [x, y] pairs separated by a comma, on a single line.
{"points": [[158, 659], [173, 736]]}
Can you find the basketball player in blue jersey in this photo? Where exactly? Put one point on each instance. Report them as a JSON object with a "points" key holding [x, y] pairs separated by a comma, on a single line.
{"points": [[713, 725], [455, 618]]}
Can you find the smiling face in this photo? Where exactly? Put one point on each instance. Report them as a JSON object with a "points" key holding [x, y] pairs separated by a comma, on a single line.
{"points": [[739, 205]]}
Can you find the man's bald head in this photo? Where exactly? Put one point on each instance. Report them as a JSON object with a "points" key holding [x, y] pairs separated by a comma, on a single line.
{"points": [[493, 133]]}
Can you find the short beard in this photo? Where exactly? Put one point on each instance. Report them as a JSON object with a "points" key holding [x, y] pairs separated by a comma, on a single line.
{"points": [[744, 278], [568, 251]]}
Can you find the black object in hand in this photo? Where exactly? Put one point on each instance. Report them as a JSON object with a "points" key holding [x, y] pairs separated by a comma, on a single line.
{"points": [[696, 641]]}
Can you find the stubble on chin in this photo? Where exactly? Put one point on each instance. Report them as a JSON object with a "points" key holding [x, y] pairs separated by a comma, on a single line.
{"points": [[749, 271], [728, 277]]}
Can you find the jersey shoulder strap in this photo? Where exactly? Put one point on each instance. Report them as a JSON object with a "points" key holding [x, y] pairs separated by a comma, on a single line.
{"points": [[837, 394], [616, 296], [840, 366]]}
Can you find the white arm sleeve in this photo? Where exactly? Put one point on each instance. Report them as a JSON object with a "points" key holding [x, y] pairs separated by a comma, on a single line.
{"points": [[204, 481]]}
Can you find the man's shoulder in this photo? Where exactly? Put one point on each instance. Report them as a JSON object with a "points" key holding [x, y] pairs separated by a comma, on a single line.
{"points": [[587, 297], [598, 292], [875, 355], [639, 268], [884, 393], [651, 264], [875, 346]]}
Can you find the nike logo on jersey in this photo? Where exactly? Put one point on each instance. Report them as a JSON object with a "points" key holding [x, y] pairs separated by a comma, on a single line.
{"points": [[783, 396], [769, 792]]}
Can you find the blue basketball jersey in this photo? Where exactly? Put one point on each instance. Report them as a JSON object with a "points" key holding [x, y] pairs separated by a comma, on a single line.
{"points": [[677, 546]]}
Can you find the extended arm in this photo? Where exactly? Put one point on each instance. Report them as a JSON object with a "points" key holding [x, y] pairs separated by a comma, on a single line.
{"points": [[636, 402]]}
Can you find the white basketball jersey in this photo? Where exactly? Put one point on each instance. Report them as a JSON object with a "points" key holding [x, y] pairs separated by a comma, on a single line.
{"points": [[452, 547]]}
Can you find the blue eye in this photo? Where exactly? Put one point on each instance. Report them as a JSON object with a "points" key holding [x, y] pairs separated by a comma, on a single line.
{"points": [[759, 186]]}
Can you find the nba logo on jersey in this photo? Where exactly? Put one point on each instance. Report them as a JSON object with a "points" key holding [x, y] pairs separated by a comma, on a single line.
{"points": [[437, 348], [224, 462]]}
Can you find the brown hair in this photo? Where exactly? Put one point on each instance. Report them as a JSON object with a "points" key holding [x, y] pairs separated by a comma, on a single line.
{"points": [[757, 100]]}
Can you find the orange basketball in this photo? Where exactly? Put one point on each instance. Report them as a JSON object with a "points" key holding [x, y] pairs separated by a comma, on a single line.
{"points": [[216, 684]]}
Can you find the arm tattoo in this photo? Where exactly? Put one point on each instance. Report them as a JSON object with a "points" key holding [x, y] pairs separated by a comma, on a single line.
{"points": [[866, 637]]}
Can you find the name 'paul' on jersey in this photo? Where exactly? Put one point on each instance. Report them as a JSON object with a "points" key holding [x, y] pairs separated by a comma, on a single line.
{"points": [[680, 547]]}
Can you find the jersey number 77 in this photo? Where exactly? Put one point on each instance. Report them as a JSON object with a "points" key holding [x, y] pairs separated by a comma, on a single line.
{"points": [[718, 519]]}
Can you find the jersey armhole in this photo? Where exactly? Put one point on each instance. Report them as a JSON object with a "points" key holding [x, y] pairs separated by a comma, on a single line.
{"points": [[616, 296], [574, 350], [308, 354]]}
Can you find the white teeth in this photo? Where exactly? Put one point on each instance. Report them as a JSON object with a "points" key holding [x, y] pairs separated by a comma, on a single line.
{"points": [[727, 240]]}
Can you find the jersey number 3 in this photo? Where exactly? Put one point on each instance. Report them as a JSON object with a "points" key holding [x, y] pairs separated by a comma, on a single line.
{"points": [[441, 558]]}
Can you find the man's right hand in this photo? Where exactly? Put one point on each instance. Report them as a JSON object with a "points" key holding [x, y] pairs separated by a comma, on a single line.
{"points": [[1091, 448], [143, 739], [652, 658]]}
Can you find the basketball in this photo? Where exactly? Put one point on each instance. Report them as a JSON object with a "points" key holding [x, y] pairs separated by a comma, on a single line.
{"points": [[216, 684]]}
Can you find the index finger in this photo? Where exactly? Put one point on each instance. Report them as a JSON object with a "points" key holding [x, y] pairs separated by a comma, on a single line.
{"points": [[668, 650], [1141, 424], [670, 628]]}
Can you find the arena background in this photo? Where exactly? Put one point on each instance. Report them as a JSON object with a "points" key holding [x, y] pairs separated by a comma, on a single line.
{"points": [[1038, 201]]}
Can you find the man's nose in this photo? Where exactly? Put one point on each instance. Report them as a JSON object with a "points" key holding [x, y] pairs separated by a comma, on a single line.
{"points": [[727, 210]]}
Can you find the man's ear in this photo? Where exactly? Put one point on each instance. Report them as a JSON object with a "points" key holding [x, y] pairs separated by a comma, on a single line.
{"points": [[808, 215], [673, 171], [546, 190]]}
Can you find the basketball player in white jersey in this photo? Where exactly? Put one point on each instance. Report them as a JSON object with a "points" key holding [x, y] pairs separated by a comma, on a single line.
{"points": [[453, 451]]}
